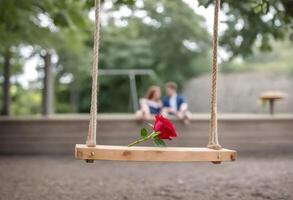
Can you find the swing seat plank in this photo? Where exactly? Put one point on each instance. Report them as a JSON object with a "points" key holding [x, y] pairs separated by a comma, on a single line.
{"points": [[165, 154]]}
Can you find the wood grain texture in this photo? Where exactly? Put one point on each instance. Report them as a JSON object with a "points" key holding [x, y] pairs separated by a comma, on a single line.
{"points": [[167, 154]]}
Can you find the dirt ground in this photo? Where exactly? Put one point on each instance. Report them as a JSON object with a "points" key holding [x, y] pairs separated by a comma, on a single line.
{"points": [[62, 178]]}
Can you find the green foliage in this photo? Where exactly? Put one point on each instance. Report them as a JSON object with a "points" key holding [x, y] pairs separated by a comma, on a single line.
{"points": [[249, 22], [25, 102], [128, 2], [62, 98], [170, 39], [45, 25], [259, 6], [179, 25], [16, 62]]}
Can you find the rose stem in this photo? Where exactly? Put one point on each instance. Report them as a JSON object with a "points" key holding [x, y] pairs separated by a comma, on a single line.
{"points": [[142, 139]]}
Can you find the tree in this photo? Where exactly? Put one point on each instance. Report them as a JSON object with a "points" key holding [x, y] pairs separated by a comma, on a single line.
{"points": [[6, 82], [250, 22], [70, 19], [37, 23], [178, 42], [17, 26]]}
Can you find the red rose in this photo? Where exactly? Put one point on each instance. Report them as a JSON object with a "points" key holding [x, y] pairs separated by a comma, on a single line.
{"points": [[165, 127]]}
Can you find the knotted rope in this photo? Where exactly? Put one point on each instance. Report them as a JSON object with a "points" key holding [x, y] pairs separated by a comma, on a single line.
{"points": [[91, 138], [213, 132]]}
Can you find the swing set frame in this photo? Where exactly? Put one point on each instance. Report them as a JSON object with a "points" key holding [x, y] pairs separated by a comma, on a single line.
{"points": [[213, 152]]}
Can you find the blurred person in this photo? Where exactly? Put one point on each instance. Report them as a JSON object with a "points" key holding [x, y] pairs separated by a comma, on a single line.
{"points": [[150, 104], [174, 103]]}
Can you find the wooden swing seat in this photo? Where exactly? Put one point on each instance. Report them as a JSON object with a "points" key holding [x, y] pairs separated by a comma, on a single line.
{"points": [[165, 154]]}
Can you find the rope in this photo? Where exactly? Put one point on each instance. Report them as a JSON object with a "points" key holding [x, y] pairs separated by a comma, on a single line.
{"points": [[213, 142], [91, 138]]}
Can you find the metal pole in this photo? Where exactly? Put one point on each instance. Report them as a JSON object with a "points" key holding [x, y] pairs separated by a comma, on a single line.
{"points": [[133, 91]]}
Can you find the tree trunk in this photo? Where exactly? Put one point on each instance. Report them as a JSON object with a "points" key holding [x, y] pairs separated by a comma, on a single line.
{"points": [[6, 84], [48, 86]]}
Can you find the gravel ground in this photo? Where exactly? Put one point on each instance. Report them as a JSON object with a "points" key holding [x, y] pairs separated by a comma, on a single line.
{"points": [[61, 178]]}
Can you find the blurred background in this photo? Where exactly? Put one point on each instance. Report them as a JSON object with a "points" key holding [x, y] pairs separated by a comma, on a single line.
{"points": [[45, 79]]}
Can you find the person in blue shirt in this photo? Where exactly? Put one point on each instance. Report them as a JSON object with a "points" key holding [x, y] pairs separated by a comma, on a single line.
{"points": [[174, 103], [150, 104]]}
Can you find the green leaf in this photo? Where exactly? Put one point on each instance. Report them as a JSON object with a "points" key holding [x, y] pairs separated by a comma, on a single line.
{"points": [[158, 142], [265, 8], [143, 133], [257, 9]]}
